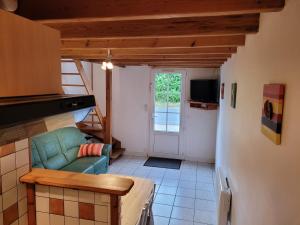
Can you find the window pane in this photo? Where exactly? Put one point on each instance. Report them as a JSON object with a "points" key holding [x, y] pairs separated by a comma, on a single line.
{"points": [[173, 124], [167, 102], [174, 107], [161, 102], [161, 82], [160, 121]]}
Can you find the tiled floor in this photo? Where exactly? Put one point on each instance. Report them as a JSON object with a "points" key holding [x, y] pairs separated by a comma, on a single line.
{"points": [[183, 197]]}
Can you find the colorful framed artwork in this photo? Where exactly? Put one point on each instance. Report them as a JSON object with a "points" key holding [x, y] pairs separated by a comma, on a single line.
{"points": [[233, 94], [271, 120], [222, 90]]}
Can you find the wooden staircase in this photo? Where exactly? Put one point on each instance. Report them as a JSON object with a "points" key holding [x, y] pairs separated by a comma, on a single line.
{"points": [[94, 123]]}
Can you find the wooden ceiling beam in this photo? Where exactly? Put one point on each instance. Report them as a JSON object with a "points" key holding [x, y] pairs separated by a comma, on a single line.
{"points": [[170, 64], [113, 10], [156, 57], [102, 53], [177, 65], [185, 66], [147, 62], [175, 27], [178, 42], [170, 60], [137, 58]]}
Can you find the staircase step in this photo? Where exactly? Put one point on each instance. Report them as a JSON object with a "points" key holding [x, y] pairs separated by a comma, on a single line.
{"points": [[84, 126], [67, 61], [91, 122], [93, 131], [70, 74], [116, 153], [73, 85]]}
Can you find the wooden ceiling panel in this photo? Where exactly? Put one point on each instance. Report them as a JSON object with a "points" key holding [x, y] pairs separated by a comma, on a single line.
{"points": [[155, 57], [164, 56], [175, 27], [167, 33], [148, 51], [177, 42], [174, 61], [115, 10]]}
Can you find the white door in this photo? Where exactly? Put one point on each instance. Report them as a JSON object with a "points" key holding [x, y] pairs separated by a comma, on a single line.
{"points": [[167, 108]]}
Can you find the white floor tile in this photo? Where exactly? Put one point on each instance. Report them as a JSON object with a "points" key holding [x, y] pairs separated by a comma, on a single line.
{"points": [[184, 202], [185, 192], [191, 181], [156, 180], [167, 190], [158, 220], [161, 210], [172, 174], [205, 195], [207, 217], [187, 184], [157, 172], [170, 182], [205, 179], [156, 188], [188, 177], [180, 222], [164, 199], [182, 213], [204, 186], [205, 205]]}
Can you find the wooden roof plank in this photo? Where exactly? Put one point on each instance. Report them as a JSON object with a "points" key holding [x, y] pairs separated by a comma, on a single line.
{"points": [[178, 42], [99, 53], [164, 56], [113, 10], [174, 27]]}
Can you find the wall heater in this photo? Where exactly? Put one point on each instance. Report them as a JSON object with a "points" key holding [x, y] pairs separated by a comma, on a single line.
{"points": [[223, 198]]}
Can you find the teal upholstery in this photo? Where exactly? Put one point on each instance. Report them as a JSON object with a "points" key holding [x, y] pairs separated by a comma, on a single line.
{"points": [[87, 165], [58, 150]]}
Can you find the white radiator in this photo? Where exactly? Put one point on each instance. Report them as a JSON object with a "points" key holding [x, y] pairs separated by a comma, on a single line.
{"points": [[223, 198]]}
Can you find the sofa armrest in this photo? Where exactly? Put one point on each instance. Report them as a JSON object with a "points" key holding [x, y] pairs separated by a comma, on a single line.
{"points": [[106, 150]]}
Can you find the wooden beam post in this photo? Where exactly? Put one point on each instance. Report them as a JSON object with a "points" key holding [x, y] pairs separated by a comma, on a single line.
{"points": [[108, 120], [114, 210], [31, 205]]}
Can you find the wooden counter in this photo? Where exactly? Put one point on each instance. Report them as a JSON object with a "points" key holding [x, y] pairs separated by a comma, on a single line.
{"points": [[104, 183], [122, 199], [132, 204]]}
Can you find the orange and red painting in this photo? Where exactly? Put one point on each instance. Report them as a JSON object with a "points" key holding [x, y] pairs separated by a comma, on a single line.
{"points": [[272, 111]]}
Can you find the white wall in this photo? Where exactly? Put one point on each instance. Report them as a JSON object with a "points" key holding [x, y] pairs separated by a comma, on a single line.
{"points": [[199, 125], [131, 116], [265, 178]]}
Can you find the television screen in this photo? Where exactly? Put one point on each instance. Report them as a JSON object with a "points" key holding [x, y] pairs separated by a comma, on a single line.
{"points": [[205, 91]]}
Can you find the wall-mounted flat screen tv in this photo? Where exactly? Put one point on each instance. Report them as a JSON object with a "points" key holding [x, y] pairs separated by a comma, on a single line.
{"points": [[205, 91]]}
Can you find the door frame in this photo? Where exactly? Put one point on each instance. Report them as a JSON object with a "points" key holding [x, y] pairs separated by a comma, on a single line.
{"points": [[182, 112]]}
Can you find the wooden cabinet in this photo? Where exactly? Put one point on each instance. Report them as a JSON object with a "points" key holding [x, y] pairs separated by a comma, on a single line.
{"points": [[204, 106], [29, 57]]}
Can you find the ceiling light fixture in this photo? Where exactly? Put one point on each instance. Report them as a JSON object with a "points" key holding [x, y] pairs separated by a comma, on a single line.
{"points": [[107, 64]]}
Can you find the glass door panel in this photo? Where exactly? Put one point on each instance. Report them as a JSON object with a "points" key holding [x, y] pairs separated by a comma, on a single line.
{"points": [[167, 102]]}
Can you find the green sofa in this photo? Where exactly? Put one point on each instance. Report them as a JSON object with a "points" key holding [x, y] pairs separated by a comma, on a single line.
{"points": [[57, 150]]}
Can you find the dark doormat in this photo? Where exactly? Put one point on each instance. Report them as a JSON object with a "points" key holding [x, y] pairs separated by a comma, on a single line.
{"points": [[163, 163]]}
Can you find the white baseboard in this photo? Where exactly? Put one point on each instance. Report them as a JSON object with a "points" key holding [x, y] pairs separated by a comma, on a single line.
{"points": [[182, 157], [132, 153]]}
